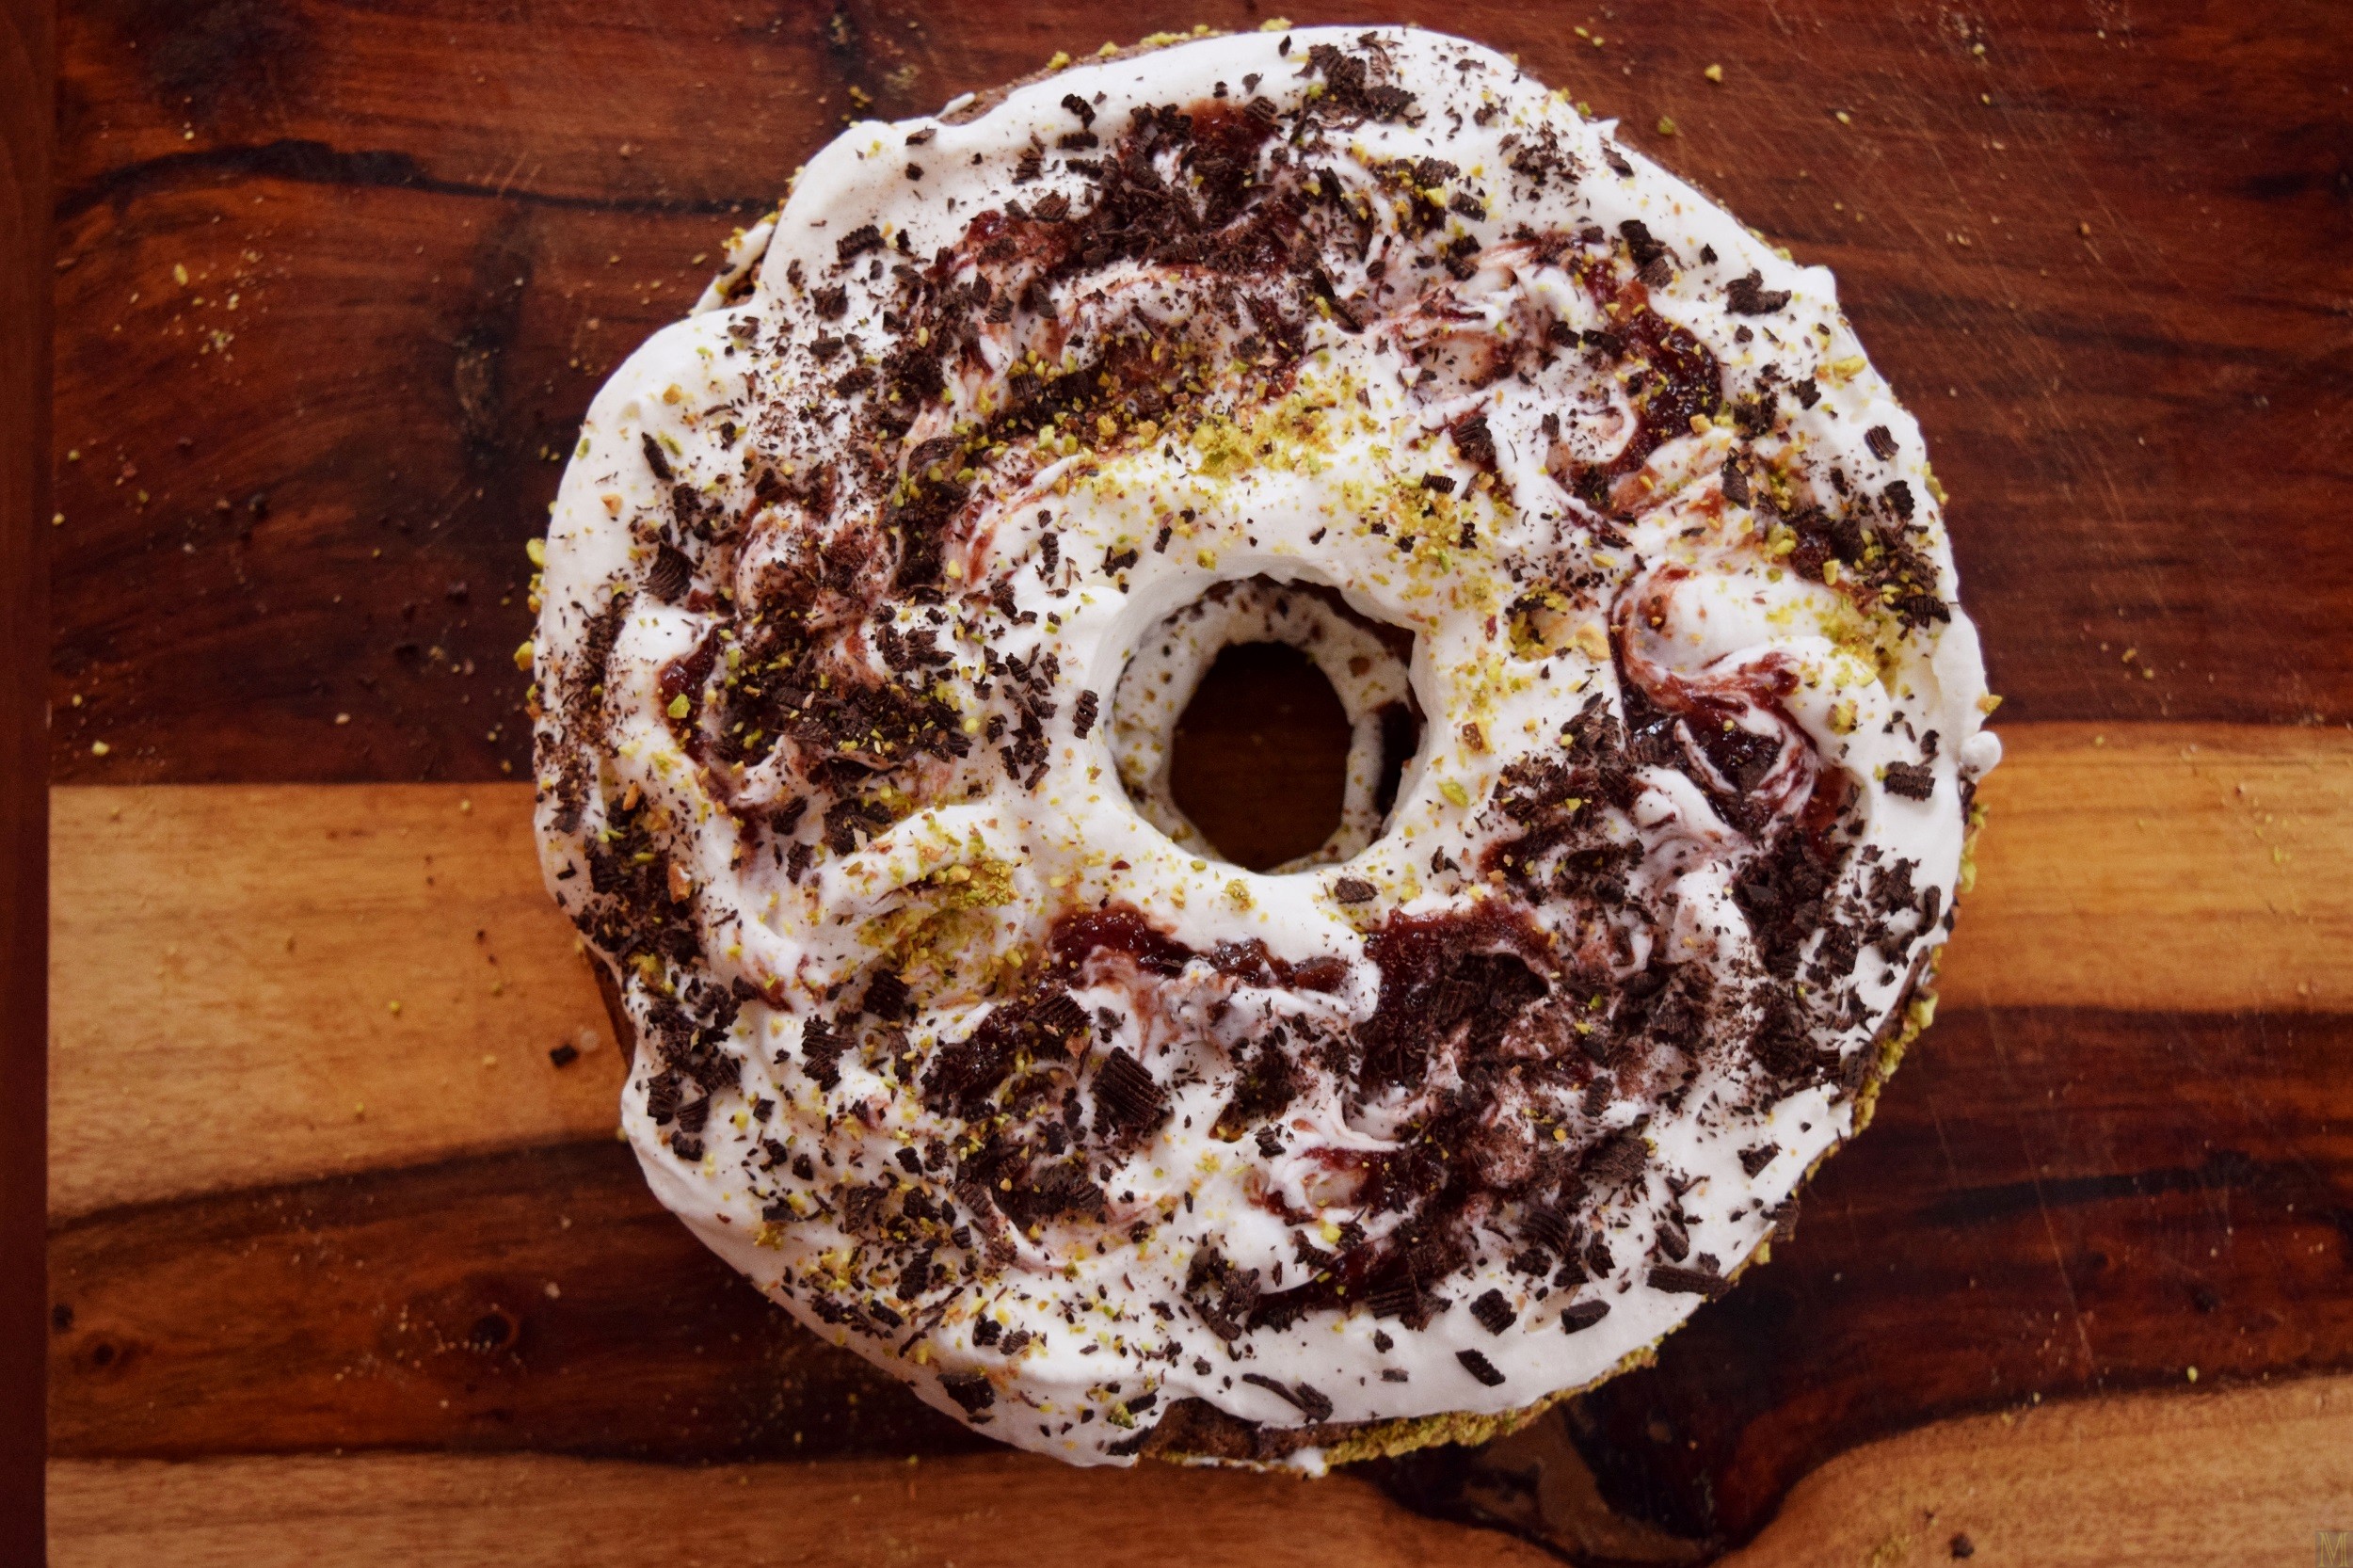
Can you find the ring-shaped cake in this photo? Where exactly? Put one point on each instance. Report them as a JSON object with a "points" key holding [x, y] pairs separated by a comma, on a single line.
{"points": [[1362, 341]]}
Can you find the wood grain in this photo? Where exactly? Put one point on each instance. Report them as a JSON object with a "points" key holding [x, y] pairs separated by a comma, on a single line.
{"points": [[254, 984], [992, 1512], [2100, 249], [2133, 373], [540, 1299], [2163, 868], [2236, 1479], [1259, 758], [2058, 1197], [26, 143], [2022, 1221], [2229, 1481], [2146, 868]]}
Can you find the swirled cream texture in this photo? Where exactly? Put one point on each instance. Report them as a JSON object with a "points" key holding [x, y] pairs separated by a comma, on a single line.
{"points": [[1108, 1146]]}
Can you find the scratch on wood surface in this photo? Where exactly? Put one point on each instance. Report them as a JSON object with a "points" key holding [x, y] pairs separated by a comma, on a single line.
{"points": [[2043, 1208]]}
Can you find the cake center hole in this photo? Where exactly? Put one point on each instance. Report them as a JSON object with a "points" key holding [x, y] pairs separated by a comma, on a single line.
{"points": [[1259, 759]]}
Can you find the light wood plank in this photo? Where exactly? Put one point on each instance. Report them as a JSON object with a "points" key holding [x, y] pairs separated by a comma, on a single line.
{"points": [[2235, 1480], [225, 965], [2161, 867], [526, 1510]]}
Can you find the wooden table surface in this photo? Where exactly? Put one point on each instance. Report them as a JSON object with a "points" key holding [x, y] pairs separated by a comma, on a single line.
{"points": [[343, 1268]]}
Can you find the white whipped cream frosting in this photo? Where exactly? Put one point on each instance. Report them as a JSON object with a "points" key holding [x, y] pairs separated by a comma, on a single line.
{"points": [[1671, 584]]}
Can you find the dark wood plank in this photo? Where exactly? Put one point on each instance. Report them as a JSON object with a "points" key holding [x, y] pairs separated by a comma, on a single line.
{"points": [[611, 107], [412, 1309], [2132, 373], [2022, 1223], [307, 559], [1259, 757], [27, 62]]}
